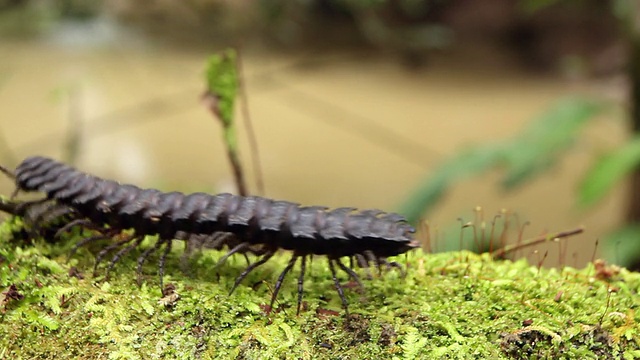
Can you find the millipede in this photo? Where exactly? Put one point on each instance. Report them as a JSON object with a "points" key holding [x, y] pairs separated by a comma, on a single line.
{"points": [[244, 224]]}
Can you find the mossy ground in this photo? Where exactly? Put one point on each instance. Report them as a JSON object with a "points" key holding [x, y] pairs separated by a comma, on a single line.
{"points": [[450, 305]]}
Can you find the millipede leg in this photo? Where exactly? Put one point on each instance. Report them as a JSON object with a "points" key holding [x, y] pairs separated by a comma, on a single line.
{"points": [[191, 244], [27, 210], [14, 193], [106, 250], [351, 273], [363, 263], [373, 258], [166, 252], [52, 214], [144, 256], [250, 268], [394, 264], [246, 258], [338, 287], [122, 252], [301, 283], [276, 290], [217, 240], [20, 208], [86, 241], [310, 264], [239, 247], [77, 222]]}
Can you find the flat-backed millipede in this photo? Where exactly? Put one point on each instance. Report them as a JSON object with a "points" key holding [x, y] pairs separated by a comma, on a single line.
{"points": [[256, 225]]}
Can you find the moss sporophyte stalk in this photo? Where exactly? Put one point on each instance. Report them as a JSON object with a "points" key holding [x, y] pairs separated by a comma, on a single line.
{"points": [[457, 305]]}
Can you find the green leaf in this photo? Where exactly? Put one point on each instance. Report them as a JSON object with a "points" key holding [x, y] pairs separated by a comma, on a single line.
{"points": [[623, 10], [544, 141], [524, 156], [623, 245], [412, 343], [531, 6], [608, 171], [222, 82], [50, 265], [461, 166], [41, 319]]}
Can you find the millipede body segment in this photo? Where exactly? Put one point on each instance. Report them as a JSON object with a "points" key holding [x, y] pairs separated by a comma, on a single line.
{"points": [[258, 225]]}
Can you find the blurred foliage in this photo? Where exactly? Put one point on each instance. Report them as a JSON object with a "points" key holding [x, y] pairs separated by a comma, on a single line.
{"points": [[526, 155], [542, 143], [25, 19], [623, 10], [608, 171], [403, 24], [531, 6], [623, 245], [28, 18]]}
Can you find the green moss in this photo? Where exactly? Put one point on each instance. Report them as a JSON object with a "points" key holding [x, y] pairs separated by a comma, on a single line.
{"points": [[451, 305]]}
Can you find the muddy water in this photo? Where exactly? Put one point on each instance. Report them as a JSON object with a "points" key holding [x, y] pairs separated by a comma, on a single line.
{"points": [[348, 128]]}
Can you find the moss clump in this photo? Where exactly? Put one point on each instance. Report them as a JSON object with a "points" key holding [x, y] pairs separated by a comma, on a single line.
{"points": [[450, 305]]}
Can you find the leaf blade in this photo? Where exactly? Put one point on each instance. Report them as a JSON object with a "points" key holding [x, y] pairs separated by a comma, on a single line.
{"points": [[608, 171]]}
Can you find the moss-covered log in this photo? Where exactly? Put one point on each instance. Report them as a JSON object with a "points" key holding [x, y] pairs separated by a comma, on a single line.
{"points": [[451, 305]]}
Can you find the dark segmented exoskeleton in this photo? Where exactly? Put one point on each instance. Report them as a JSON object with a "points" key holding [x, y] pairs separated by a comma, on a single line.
{"points": [[255, 222]]}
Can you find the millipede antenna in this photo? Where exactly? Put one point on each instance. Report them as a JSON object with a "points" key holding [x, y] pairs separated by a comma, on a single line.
{"points": [[8, 172]]}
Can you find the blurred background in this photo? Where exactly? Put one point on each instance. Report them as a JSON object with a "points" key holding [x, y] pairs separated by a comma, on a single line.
{"points": [[430, 108]]}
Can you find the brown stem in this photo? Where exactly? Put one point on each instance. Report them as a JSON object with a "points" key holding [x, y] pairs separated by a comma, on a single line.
{"points": [[211, 102], [633, 205], [500, 253], [74, 133], [238, 175], [253, 143]]}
